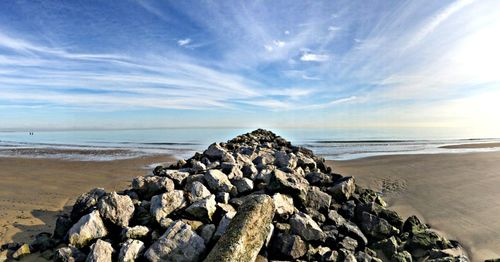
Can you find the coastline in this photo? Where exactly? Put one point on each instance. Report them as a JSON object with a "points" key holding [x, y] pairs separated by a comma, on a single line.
{"points": [[34, 191], [455, 193]]}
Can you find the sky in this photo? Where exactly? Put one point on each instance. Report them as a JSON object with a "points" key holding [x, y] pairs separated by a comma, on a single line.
{"points": [[146, 64]]}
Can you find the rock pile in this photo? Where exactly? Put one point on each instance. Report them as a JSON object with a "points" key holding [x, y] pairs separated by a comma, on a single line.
{"points": [[254, 198]]}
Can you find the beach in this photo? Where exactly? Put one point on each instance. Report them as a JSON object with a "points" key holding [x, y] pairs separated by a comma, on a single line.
{"points": [[456, 194], [34, 191]]}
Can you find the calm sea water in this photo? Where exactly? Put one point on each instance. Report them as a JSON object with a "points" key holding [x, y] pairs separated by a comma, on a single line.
{"points": [[335, 144]]}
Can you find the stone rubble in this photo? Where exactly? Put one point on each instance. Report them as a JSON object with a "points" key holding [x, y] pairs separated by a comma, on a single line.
{"points": [[255, 198]]}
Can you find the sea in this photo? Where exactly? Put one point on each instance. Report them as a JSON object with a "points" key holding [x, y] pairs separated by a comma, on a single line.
{"points": [[330, 143]]}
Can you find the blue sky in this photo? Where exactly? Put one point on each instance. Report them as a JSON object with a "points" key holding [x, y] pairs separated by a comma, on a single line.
{"points": [[139, 64]]}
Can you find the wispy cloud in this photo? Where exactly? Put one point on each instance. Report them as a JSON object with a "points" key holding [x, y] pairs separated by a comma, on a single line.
{"points": [[183, 42]]}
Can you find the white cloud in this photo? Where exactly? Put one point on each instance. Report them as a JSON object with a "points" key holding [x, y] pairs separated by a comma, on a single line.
{"points": [[275, 45], [286, 32], [310, 57], [333, 28], [183, 42]]}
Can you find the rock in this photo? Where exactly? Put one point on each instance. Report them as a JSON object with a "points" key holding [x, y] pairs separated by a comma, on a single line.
{"points": [[413, 225], [148, 186], [218, 181], [198, 191], [425, 240], [249, 171], [178, 176], [116, 208], [69, 254], [207, 232], [223, 224], [348, 243], [21, 251], [353, 230], [42, 242], [88, 228], [86, 202], [215, 152], [403, 256], [284, 205], [179, 243], [288, 246], [166, 203], [4, 255], [136, 232], [375, 227], [247, 232], [304, 226], [63, 224], [243, 185], [131, 250], [222, 197], [387, 246], [289, 183], [100, 251], [343, 189], [317, 199], [284, 160], [203, 209]]}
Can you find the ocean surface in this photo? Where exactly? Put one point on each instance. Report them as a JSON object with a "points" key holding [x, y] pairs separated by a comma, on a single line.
{"points": [[332, 144]]}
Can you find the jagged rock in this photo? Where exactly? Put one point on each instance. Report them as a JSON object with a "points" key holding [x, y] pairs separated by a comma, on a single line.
{"points": [[413, 225], [375, 227], [249, 170], [223, 224], [343, 189], [284, 205], [349, 243], [203, 209], [178, 176], [42, 242], [207, 232], [88, 228], [222, 197], [317, 199], [116, 208], [179, 243], [319, 179], [218, 181], [164, 204], [148, 186], [131, 250], [387, 246], [198, 191], [391, 216], [304, 226], [100, 251], [69, 254], [290, 183], [425, 240], [86, 202], [215, 151], [21, 251], [288, 246], [243, 185], [247, 232], [403, 256], [136, 232], [63, 224]]}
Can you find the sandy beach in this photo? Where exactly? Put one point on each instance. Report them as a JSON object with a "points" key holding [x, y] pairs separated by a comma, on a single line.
{"points": [[457, 194], [34, 191]]}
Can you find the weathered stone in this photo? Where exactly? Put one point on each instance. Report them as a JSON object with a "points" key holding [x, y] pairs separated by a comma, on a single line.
{"points": [[21, 252], [166, 203], [223, 224], [136, 232], [387, 246], [63, 224], [243, 185], [177, 176], [86, 202], [198, 191], [425, 240], [215, 152], [284, 205], [100, 251], [413, 225], [317, 199], [349, 243], [304, 226], [206, 232], [148, 186], [194, 224], [203, 209], [249, 170], [343, 189], [403, 256], [179, 243], [290, 183], [131, 250], [116, 208], [288, 246], [88, 228], [222, 197], [218, 181], [42, 242], [69, 254], [246, 233], [284, 160], [375, 227]]}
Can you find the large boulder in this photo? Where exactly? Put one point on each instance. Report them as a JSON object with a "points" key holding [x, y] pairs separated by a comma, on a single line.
{"points": [[166, 203], [343, 189], [198, 191], [284, 205], [376, 227], [88, 228], [100, 251], [69, 254], [116, 208], [218, 181], [304, 226], [203, 209], [148, 186], [246, 233], [288, 246], [290, 183], [179, 243], [131, 250], [86, 202]]}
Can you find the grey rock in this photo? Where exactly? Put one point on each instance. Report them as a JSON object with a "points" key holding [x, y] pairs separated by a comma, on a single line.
{"points": [[100, 251], [247, 232], [206, 232], [375, 227], [289, 246], [387, 246], [86, 202], [42, 242], [148, 186], [403, 256], [179, 243], [166, 203], [116, 208], [222, 197], [177, 176], [284, 205], [218, 181], [284, 160], [349, 243], [63, 224], [198, 191], [88, 228], [243, 185], [69, 254], [290, 183], [304, 226], [343, 189], [130, 250], [136, 232], [223, 224], [317, 199], [203, 209]]}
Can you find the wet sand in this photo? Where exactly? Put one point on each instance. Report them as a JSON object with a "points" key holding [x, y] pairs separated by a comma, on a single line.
{"points": [[458, 194], [34, 191], [478, 145]]}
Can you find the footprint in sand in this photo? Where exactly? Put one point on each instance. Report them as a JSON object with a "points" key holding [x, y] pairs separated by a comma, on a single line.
{"points": [[393, 185]]}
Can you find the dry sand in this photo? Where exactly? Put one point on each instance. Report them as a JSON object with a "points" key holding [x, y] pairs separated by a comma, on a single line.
{"points": [[34, 191], [458, 194]]}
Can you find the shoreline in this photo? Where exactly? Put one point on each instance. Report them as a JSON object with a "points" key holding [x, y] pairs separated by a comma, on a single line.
{"points": [[34, 191], [456, 194]]}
